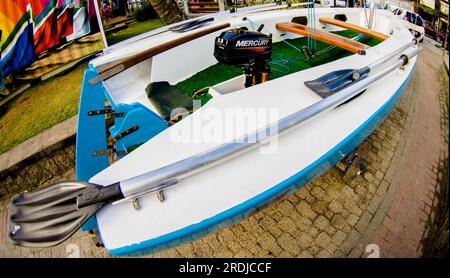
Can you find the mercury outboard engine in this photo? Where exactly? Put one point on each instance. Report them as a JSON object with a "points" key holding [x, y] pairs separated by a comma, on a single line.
{"points": [[250, 50]]}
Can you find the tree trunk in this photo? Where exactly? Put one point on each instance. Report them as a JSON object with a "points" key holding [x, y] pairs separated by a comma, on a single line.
{"points": [[168, 11]]}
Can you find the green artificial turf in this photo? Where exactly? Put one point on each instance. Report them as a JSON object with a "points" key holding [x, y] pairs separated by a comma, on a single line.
{"points": [[294, 61]]}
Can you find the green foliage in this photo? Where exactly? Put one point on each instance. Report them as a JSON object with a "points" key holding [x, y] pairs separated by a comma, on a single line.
{"points": [[145, 12], [428, 10], [134, 29]]}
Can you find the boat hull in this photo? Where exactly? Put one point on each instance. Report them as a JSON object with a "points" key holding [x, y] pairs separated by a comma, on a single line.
{"points": [[226, 193], [285, 188]]}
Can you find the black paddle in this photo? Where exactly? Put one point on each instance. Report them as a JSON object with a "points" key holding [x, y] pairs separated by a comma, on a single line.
{"points": [[51, 215], [191, 25]]}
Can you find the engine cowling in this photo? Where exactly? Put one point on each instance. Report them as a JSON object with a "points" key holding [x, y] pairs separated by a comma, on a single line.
{"points": [[244, 48]]}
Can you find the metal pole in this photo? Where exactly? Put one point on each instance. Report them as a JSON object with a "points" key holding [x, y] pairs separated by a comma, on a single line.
{"points": [[169, 175], [381, 61], [444, 50], [221, 5], [371, 14], [100, 24]]}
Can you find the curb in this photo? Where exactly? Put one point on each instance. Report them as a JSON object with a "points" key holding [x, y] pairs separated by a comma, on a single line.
{"points": [[39, 146]]}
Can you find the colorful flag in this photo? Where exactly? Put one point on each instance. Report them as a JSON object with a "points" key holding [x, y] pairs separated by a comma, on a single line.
{"points": [[81, 24], [64, 11], [16, 39], [45, 27]]}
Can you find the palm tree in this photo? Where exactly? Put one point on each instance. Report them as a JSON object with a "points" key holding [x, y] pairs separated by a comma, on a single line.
{"points": [[168, 10]]}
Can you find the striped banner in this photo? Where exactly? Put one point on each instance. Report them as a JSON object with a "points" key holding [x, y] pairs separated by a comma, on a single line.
{"points": [[45, 24], [29, 27], [81, 24], [64, 12], [16, 41]]}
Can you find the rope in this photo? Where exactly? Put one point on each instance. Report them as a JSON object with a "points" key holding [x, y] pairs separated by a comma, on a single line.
{"points": [[283, 63], [293, 46], [251, 23]]}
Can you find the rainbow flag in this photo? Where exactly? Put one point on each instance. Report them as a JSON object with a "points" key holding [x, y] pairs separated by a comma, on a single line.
{"points": [[81, 24], [16, 39], [64, 11], [45, 26]]}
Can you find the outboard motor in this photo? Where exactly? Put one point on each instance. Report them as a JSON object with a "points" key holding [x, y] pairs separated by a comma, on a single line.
{"points": [[250, 50]]}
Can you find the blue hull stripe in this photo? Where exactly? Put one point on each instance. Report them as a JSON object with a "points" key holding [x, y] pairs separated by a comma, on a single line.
{"points": [[288, 186]]}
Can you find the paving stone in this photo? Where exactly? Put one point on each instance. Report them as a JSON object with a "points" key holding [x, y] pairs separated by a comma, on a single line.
{"points": [[368, 176], [338, 221], [234, 246], [339, 237], [243, 253], [304, 240], [305, 209], [329, 214], [305, 254], [270, 225], [347, 192], [336, 206], [264, 254], [321, 222], [313, 231], [288, 243], [268, 242], [303, 223], [223, 253], [322, 240], [319, 207], [255, 248], [351, 240], [329, 230], [375, 203], [314, 250], [318, 192], [323, 254], [285, 207], [339, 254], [288, 225], [363, 222]]}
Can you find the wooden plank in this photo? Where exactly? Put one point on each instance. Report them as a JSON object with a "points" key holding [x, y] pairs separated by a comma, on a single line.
{"points": [[129, 62], [204, 10], [324, 36], [203, 3], [356, 28]]}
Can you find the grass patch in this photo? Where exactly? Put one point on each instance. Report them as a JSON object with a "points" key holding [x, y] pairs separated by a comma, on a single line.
{"points": [[218, 73], [40, 107], [134, 29]]}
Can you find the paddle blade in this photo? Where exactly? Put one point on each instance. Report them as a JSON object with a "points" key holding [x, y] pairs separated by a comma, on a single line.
{"points": [[49, 216], [335, 81]]}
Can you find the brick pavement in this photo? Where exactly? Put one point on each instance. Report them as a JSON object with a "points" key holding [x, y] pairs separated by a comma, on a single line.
{"points": [[328, 217], [402, 229]]}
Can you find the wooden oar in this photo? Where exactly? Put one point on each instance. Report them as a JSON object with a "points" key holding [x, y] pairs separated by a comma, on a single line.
{"points": [[125, 63]]}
